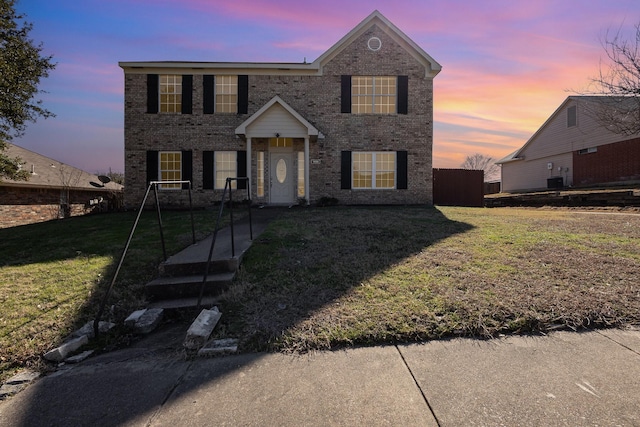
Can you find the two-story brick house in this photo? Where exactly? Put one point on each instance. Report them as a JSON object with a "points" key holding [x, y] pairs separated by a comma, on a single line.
{"points": [[356, 124]]}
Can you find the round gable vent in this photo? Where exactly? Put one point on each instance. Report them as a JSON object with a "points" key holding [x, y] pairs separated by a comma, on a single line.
{"points": [[374, 44]]}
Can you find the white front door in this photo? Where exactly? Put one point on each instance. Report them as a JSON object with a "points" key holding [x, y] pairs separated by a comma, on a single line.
{"points": [[281, 177]]}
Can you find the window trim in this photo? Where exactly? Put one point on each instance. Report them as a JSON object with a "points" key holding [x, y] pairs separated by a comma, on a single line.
{"points": [[209, 94], [572, 116], [374, 171], [176, 94], [589, 150], [300, 185], [402, 94], [169, 187], [377, 83], [260, 181], [234, 185], [218, 83]]}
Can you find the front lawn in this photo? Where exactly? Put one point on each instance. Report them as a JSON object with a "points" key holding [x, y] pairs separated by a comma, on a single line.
{"points": [[53, 275], [328, 277], [324, 278]]}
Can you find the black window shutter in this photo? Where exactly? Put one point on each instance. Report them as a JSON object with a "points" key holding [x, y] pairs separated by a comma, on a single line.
{"points": [[345, 97], [209, 100], [242, 169], [403, 94], [152, 166], [401, 170], [243, 94], [345, 171], [152, 93], [187, 94], [207, 170], [187, 168]]}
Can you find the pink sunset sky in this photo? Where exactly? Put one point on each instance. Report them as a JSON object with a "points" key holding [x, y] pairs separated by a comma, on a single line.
{"points": [[506, 65]]}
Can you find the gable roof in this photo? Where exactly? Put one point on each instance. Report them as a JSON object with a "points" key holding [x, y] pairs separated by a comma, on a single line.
{"points": [[432, 67], [264, 111], [45, 172], [600, 99]]}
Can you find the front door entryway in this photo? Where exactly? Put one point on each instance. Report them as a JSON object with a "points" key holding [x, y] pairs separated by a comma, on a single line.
{"points": [[281, 176]]}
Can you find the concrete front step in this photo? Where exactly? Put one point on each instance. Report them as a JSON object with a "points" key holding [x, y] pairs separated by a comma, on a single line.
{"points": [[188, 286], [189, 268], [184, 303]]}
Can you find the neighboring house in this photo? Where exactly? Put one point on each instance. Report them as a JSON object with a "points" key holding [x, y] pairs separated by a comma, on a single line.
{"points": [[356, 124], [54, 190], [572, 149]]}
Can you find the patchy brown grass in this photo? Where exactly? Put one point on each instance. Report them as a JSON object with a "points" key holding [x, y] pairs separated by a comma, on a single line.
{"points": [[323, 278], [53, 276]]}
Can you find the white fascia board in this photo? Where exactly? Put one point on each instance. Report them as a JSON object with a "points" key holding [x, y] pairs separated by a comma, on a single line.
{"points": [[231, 68]]}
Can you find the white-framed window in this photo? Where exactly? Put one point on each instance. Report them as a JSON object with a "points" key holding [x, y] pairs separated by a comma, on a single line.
{"points": [[170, 93], [260, 174], [373, 170], [170, 169], [373, 94], [281, 142], [301, 174], [226, 94], [225, 166], [589, 150]]}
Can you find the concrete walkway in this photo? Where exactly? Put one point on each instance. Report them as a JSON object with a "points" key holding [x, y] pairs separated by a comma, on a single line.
{"points": [[572, 379]]}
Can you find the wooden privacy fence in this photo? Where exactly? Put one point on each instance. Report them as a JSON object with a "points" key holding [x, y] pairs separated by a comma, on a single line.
{"points": [[458, 187]]}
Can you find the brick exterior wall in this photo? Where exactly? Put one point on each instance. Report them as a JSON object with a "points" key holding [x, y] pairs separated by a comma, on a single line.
{"points": [[612, 163], [22, 206], [315, 97]]}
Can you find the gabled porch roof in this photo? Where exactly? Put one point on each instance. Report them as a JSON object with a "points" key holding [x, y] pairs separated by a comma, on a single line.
{"points": [[277, 118]]}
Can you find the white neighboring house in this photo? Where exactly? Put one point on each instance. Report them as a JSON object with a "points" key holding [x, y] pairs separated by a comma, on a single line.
{"points": [[54, 190], [571, 149]]}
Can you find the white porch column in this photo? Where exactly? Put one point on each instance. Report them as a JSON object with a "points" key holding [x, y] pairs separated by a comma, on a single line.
{"points": [[249, 165], [306, 169]]}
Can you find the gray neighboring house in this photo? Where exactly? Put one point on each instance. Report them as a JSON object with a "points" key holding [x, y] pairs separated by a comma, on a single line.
{"points": [[356, 124], [572, 149], [54, 190]]}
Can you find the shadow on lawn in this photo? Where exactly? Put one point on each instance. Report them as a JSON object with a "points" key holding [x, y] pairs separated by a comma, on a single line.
{"points": [[53, 269], [310, 259], [305, 260]]}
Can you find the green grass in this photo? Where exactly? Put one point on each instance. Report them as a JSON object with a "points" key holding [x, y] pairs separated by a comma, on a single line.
{"points": [[53, 275], [324, 278], [321, 278]]}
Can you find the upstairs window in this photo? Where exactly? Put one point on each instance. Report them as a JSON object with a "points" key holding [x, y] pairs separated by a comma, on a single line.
{"points": [[373, 95], [226, 94], [572, 116], [170, 93]]}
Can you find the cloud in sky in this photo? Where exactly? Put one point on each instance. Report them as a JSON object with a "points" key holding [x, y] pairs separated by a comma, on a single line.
{"points": [[507, 65]]}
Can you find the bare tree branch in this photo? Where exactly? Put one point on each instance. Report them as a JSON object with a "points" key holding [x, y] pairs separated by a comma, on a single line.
{"points": [[618, 84], [484, 163]]}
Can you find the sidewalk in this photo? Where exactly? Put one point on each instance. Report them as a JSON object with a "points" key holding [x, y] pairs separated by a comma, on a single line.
{"points": [[573, 379]]}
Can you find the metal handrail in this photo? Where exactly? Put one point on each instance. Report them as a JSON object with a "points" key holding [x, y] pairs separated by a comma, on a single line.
{"points": [[154, 185], [227, 185]]}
